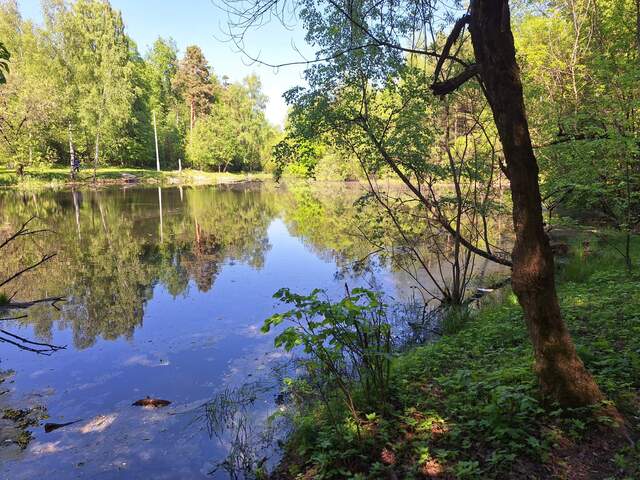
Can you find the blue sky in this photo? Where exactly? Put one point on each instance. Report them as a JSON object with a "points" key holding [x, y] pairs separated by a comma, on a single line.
{"points": [[201, 22]]}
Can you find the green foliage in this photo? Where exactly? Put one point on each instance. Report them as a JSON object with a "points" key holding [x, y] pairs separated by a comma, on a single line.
{"points": [[454, 319], [580, 64], [350, 341], [78, 82], [161, 66], [4, 63], [468, 404], [234, 135], [593, 253], [295, 157]]}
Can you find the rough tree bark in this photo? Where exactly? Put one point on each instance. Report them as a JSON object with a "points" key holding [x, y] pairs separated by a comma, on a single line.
{"points": [[561, 373]]}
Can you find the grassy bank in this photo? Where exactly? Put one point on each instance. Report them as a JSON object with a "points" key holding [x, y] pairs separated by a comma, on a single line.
{"points": [[56, 177], [468, 406]]}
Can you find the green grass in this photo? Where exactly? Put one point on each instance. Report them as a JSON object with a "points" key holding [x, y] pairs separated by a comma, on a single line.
{"points": [[57, 177], [468, 406]]}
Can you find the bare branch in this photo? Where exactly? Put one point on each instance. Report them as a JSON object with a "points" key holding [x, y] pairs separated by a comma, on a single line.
{"points": [[40, 351], [44, 258], [447, 86], [21, 232], [23, 305], [453, 36], [4, 319]]}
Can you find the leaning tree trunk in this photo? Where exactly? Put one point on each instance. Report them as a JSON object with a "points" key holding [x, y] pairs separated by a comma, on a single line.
{"points": [[561, 373]]}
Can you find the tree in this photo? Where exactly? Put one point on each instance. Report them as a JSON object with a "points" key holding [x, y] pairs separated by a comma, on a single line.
{"points": [[582, 74], [4, 63], [96, 70], [194, 83], [30, 100], [373, 42], [162, 65], [562, 374], [234, 135]]}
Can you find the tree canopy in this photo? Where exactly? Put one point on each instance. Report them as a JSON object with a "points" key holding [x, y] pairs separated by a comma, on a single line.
{"points": [[78, 83]]}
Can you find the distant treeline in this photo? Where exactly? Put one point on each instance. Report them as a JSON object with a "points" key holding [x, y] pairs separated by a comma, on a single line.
{"points": [[78, 83]]}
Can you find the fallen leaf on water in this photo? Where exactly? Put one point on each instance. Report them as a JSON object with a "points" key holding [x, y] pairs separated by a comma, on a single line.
{"points": [[151, 402]]}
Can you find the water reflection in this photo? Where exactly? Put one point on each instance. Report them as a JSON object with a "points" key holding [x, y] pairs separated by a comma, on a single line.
{"points": [[110, 259], [166, 290]]}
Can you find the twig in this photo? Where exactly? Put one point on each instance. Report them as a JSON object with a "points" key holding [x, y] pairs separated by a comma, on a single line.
{"points": [[13, 318], [40, 351], [23, 231], [30, 342], [23, 305], [44, 258]]}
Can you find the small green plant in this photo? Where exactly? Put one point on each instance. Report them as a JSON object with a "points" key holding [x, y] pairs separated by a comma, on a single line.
{"points": [[4, 299], [468, 404], [467, 469], [349, 341], [454, 319]]}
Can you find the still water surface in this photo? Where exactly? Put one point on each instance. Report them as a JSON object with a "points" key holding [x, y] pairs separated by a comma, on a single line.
{"points": [[166, 292]]}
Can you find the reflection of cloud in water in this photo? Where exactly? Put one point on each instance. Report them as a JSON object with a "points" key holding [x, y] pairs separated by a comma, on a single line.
{"points": [[38, 373], [190, 341], [146, 361], [45, 448], [258, 360], [141, 444], [98, 381], [98, 424], [253, 331]]}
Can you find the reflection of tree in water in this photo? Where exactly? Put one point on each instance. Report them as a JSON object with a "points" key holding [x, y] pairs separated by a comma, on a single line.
{"points": [[351, 229], [327, 222], [203, 262], [228, 225], [110, 258]]}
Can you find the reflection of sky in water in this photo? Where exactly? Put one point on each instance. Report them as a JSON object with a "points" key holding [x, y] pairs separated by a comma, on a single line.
{"points": [[187, 349], [202, 298]]}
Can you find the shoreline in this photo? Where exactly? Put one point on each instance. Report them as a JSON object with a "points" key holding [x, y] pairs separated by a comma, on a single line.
{"points": [[471, 396], [58, 178]]}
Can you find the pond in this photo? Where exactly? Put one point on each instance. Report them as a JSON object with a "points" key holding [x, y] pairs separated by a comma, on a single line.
{"points": [[166, 290]]}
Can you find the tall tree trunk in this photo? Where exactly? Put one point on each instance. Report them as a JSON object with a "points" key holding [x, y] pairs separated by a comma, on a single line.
{"points": [[638, 25], [155, 137], [561, 373], [98, 127], [72, 156], [192, 117], [97, 156]]}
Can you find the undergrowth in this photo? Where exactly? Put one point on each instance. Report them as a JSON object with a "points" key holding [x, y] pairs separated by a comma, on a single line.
{"points": [[468, 407]]}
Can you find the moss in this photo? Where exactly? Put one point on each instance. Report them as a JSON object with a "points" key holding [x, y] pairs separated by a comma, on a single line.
{"points": [[23, 439], [23, 419]]}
